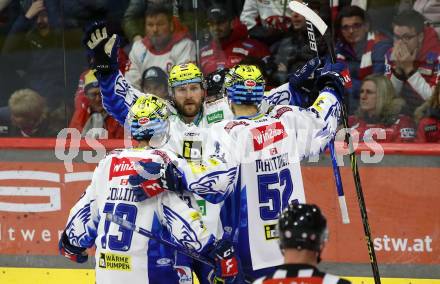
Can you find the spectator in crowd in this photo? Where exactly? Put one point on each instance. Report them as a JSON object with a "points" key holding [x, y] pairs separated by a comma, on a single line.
{"points": [[380, 108], [164, 45], [266, 20], [155, 81], [382, 11], [428, 118], [34, 50], [293, 50], [303, 233], [229, 42], [412, 63], [9, 10], [362, 49], [183, 11], [28, 116], [89, 117], [430, 9]]}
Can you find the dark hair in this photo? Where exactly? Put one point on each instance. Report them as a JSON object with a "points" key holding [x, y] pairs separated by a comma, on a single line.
{"points": [[410, 18], [351, 11], [156, 9]]}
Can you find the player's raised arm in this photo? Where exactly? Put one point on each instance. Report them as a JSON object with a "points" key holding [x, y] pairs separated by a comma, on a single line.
{"points": [[316, 125], [117, 94]]}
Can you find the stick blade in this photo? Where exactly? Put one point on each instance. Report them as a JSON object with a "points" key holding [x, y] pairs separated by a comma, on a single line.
{"points": [[309, 14]]}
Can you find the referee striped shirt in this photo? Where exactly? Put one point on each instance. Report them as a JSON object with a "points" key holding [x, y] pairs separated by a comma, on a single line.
{"points": [[300, 274]]}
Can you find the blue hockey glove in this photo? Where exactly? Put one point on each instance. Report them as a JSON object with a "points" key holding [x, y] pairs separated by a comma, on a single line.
{"points": [[227, 263], [152, 179], [297, 78], [102, 48], [74, 253], [334, 76], [302, 84]]}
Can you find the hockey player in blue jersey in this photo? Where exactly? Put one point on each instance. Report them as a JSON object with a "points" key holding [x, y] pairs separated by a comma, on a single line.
{"points": [[270, 165], [121, 254], [268, 148]]}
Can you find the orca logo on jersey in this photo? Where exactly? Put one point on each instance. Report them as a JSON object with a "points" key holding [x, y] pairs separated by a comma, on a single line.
{"points": [[124, 166], [266, 135], [186, 236]]}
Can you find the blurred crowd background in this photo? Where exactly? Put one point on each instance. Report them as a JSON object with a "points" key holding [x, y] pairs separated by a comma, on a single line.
{"points": [[391, 48]]}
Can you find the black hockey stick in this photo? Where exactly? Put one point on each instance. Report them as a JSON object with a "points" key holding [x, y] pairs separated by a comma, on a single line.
{"points": [[310, 15], [336, 172], [146, 233]]}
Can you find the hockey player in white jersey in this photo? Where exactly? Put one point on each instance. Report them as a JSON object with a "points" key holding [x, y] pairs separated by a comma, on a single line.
{"points": [[123, 255], [269, 149]]}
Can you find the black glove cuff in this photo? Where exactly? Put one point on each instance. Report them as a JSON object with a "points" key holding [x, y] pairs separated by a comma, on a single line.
{"points": [[69, 247]]}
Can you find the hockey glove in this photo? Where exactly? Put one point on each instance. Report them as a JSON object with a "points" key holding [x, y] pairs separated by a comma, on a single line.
{"points": [[302, 83], [153, 178], [336, 77], [297, 78], [227, 263], [102, 49], [74, 253]]}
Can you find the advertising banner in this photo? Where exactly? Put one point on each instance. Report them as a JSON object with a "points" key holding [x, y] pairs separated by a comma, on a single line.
{"points": [[403, 209]]}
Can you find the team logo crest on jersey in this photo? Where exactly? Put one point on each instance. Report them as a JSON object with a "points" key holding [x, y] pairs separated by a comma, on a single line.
{"points": [[186, 237], [210, 183], [266, 135], [77, 230]]}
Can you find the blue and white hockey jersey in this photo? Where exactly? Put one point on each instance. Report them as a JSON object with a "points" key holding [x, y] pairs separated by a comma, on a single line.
{"points": [[122, 254]]}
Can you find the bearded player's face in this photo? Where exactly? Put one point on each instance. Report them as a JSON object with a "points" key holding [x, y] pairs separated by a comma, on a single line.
{"points": [[189, 99]]}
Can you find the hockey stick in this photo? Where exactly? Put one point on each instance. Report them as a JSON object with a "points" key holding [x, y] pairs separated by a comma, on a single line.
{"points": [[196, 29], [336, 173], [146, 233], [322, 27]]}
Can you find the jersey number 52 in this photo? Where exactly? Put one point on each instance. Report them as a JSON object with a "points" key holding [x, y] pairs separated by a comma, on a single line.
{"points": [[274, 191]]}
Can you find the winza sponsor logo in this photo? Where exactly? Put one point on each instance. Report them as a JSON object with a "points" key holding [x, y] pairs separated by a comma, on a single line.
{"points": [[124, 166], [266, 135]]}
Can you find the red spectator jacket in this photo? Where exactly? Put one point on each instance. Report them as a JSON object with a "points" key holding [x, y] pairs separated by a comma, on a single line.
{"points": [[231, 50], [428, 130], [82, 114], [418, 86], [402, 130], [82, 111]]}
